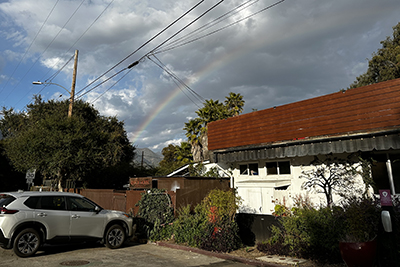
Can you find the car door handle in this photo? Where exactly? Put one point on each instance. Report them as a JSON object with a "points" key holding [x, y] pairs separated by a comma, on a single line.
{"points": [[42, 214], [75, 216]]}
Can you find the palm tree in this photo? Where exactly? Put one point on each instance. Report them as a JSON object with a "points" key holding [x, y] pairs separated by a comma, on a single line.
{"points": [[183, 153], [193, 130], [234, 103], [196, 129]]}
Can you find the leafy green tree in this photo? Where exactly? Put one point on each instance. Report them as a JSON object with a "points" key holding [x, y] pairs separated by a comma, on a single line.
{"points": [[183, 153], [196, 129], [234, 103], [59, 147], [174, 157], [384, 64]]}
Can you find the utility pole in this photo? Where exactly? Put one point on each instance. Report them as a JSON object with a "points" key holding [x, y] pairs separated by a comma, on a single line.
{"points": [[72, 93]]}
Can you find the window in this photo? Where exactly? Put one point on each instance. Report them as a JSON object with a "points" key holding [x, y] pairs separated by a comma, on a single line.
{"points": [[243, 170], [52, 203], [249, 169], [278, 167], [32, 202], [5, 200], [80, 204]]}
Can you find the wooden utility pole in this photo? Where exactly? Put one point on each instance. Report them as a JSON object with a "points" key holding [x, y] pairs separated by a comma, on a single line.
{"points": [[72, 93]]}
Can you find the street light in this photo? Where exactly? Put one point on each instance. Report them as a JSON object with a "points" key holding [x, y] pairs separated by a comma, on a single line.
{"points": [[41, 83], [72, 93], [71, 102]]}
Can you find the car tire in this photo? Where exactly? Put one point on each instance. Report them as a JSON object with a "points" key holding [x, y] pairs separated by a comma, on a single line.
{"points": [[26, 243], [115, 236]]}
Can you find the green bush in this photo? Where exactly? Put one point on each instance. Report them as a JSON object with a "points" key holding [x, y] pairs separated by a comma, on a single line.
{"points": [[156, 209], [362, 218], [211, 225], [223, 238], [307, 233], [189, 227]]}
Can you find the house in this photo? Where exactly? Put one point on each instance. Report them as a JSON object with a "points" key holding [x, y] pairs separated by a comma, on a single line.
{"points": [[268, 150]]}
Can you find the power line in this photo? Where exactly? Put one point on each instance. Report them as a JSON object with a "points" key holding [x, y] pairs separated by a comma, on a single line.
{"points": [[151, 39], [178, 81], [106, 80], [160, 45], [69, 49], [212, 23], [48, 80], [46, 48], [111, 86], [189, 24], [26, 51], [87, 29], [220, 29]]}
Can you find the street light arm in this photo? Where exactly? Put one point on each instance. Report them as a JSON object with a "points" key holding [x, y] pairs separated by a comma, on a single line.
{"points": [[41, 83]]}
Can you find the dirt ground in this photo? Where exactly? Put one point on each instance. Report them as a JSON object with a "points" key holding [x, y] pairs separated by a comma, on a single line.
{"points": [[253, 253]]}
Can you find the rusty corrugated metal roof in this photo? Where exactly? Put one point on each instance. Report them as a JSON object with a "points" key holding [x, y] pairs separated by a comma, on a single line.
{"points": [[373, 108], [312, 148]]}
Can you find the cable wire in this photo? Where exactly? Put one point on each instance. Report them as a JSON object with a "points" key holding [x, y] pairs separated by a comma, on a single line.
{"points": [[97, 98], [143, 57], [135, 51], [87, 29], [26, 51], [54, 75], [175, 77], [178, 84], [212, 23], [222, 28], [46, 48], [189, 24]]}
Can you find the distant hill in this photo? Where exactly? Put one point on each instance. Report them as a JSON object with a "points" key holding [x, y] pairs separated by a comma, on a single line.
{"points": [[150, 158]]}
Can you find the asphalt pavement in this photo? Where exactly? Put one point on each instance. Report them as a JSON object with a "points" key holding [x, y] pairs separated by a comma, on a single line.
{"points": [[133, 254]]}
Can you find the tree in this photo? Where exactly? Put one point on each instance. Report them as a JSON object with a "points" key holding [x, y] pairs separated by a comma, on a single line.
{"points": [[329, 176], [196, 129], [174, 157], [10, 180], [60, 148], [385, 63], [234, 103]]}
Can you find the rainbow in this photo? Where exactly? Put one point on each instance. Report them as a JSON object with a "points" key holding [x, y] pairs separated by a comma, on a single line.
{"points": [[202, 74]]}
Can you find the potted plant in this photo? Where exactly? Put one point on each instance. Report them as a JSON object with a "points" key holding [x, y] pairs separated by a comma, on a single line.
{"points": [[358, 244]]}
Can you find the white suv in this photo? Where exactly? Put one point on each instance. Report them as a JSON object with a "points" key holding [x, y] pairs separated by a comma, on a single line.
{"points": [[31, 219]]}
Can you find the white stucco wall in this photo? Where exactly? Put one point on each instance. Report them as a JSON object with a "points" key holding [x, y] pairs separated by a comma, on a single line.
{"points": [[260, 193]]}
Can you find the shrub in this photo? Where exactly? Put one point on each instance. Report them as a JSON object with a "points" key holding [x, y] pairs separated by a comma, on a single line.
{"points": [[275, 245], [219, 204], [209, 226], [362, 217], [156, 209], [223, 238], [307, 233], [189, 227]]}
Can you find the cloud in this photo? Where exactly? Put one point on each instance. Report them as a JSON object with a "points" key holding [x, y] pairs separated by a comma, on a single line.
{"points": [[290, 52]]}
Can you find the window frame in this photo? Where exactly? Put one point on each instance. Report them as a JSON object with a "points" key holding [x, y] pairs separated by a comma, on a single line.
{"points": [[278, 168], [249, 167]]}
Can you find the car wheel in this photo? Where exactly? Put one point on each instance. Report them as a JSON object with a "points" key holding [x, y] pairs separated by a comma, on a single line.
{"points": [[26, 243], [115, 236]]}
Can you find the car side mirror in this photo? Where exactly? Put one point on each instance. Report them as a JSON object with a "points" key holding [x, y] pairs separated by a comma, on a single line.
{"points": [[386, 221], [97, 209]]}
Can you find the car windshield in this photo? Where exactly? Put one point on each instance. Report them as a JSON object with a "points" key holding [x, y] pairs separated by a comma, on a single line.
{"points": [[6, 199]]}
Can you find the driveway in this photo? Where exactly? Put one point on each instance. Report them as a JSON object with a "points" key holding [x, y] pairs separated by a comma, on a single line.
{"points": [[149, 255]]}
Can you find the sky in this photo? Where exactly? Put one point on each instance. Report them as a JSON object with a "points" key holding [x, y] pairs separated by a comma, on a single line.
{"points": [[271, 52]]}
